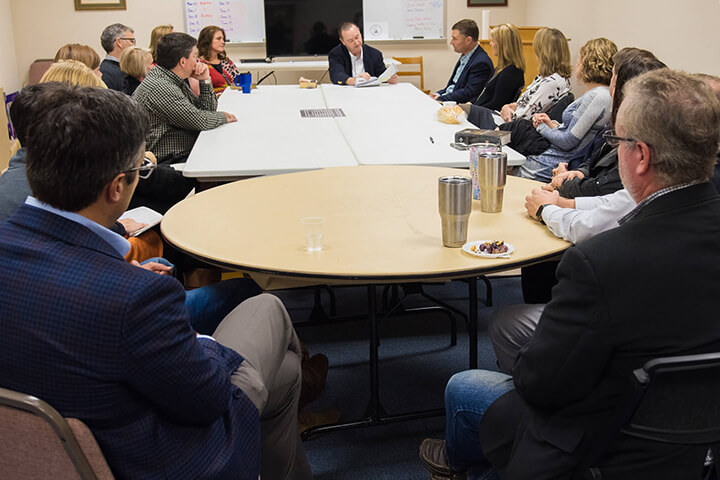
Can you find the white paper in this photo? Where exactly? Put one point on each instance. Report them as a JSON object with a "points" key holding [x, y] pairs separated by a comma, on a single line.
{"points": [[389, 72], [142, 215], [376, 31], [485, 32], [373, 81]]}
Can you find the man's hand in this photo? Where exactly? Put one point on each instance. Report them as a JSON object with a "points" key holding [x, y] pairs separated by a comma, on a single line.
{"points": [[131, 226], [540, 197], [394, 79], [229, 117], [158, 268], [507, 111], [434, 96], [200, 72]]}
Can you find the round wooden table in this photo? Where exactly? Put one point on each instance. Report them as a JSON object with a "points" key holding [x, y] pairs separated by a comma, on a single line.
{"points": [[382, 226]]}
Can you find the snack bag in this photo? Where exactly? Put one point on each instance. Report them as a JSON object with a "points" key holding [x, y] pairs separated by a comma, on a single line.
{"points": [[451, 113]]}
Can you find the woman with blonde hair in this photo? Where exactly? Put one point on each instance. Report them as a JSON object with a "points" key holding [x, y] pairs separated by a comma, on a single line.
{"points": [[553, 80], [509, 78], [552, 142], [135, 62], [73, 72], [211, 50], [550, 85], [81, 53], [155, 36]]}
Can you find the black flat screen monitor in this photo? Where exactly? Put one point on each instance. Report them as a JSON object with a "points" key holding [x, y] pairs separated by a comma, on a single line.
{"points": [[307, 27]]}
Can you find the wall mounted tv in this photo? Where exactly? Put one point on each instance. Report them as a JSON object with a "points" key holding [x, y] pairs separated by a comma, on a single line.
{"points": [[307, 27]]}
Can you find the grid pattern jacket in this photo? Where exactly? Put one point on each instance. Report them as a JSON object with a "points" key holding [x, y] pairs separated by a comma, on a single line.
{"points": [[111, 344], [177, 116]]}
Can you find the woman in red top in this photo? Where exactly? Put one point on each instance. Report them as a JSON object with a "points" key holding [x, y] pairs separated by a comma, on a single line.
{"points": [[211, 49]]}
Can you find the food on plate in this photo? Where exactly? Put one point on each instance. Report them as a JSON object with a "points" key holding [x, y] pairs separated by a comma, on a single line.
{"points": [[490, 248]]}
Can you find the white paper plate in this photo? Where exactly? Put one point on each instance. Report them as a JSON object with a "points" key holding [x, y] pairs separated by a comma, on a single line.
{"points": [[477, 243]]}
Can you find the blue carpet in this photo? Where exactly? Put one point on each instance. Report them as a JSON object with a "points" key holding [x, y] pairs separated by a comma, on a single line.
{"points": [[416, 361]]}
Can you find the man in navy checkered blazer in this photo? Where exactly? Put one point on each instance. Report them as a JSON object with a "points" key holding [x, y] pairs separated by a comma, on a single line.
{"points": [[110, 343]]}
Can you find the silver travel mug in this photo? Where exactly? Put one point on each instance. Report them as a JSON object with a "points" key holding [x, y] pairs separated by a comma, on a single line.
{"points": [[455, 205], [492, 175]]}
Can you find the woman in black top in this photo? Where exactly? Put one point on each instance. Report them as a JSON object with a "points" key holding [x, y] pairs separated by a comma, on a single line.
{"points": [[509, 78]]}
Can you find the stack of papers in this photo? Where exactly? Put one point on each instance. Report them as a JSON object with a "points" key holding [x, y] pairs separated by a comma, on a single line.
{"points": [[145, 215], [383, 78]]}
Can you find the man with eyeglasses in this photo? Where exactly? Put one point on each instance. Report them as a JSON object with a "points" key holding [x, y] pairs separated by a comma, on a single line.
{"points": [[612, 310], [111, 344], [114, 39]]}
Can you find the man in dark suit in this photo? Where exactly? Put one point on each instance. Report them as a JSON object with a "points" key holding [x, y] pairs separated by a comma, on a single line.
{"points": [[110, 343], [114, 39], [352, 59], [472, 70], [612, 310]]}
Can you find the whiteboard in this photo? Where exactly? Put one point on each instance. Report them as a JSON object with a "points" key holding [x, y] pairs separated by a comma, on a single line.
{"points": [[403, 19], [242, 20]]}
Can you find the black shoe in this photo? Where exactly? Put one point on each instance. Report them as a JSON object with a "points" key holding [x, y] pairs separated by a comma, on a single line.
{"points": [[434, 456]]}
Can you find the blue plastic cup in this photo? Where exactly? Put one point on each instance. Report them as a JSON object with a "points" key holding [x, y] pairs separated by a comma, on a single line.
{"points": [[245, 82]]}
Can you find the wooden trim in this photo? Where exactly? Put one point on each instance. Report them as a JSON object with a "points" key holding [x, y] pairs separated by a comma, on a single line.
{"points": [[108, 5], [487, 3]]}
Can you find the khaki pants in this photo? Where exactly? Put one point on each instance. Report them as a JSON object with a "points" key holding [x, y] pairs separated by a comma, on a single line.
{"points": [[261, 331]]}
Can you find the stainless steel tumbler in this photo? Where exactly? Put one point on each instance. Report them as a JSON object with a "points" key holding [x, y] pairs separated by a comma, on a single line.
{"points": [[492, 175], [455, 205]]}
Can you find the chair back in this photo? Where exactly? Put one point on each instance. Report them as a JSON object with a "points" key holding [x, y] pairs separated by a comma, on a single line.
{"points": [[556, 111], [416, 72], [37, 443], [678, 400], [38, 69]]}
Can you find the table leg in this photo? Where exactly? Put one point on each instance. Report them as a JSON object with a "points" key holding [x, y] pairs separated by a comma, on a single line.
{"points": [[375, 409], [473, 322]]}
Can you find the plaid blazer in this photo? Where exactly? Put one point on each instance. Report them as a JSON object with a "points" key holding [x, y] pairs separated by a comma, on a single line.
{"points": [[110, 344]]}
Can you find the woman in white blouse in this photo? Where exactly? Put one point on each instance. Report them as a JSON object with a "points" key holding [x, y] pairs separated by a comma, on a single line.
{"points": [[551, 84], [553, 80]]}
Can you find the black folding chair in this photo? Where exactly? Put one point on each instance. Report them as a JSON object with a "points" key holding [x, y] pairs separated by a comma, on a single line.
{"points": [[677, 402]]}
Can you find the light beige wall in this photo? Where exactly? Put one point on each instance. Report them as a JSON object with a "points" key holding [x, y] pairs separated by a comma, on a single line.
{"points": [[9, 78], [42, 26], [56, 22], [684, 35]]}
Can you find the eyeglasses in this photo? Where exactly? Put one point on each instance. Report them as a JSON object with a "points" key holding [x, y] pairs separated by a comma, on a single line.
{"points": [[613, 140], [144, 170], [131, 40]]}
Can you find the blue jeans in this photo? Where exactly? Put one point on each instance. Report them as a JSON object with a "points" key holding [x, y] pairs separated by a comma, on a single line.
{"points": [[210, 304], [468, 395]]}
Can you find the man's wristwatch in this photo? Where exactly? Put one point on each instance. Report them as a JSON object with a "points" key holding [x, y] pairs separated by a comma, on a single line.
{"points": [[538, 214], [207, 81]]}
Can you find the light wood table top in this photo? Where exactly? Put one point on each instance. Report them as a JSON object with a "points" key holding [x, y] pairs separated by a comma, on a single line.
{"points": [[382, 226]]}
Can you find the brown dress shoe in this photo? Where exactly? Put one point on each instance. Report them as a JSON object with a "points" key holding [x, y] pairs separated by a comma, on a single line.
{"points": [[314, 374], [434, 456]]}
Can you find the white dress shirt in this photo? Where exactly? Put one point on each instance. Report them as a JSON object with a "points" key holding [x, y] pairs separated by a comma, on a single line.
{"points": [[591, 215], [358, 66]]}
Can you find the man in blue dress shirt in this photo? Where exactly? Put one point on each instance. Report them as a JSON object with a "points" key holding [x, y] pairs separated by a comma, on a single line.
{"points": [[472, 70], [110, 343]]}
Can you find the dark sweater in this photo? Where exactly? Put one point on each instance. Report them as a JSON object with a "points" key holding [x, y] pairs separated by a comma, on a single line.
{"points": [[502, 88], [113, 77], [14, 187]]}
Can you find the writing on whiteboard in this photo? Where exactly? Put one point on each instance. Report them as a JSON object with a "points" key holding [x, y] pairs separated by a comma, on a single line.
{"points": [[242, 20]]}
